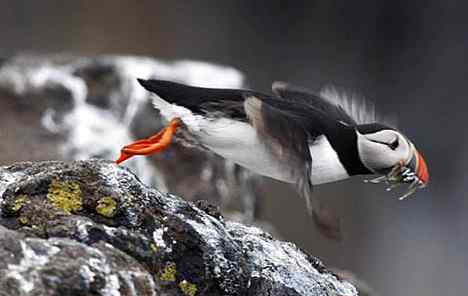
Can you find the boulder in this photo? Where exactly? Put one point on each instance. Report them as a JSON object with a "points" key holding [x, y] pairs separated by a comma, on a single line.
{"points": [[92, 228]]}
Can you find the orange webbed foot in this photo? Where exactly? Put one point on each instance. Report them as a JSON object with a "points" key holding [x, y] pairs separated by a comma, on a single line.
{"points": [[151, 145]]}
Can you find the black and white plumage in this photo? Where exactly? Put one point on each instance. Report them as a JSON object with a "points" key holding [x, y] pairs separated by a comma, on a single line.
{"points": [[292, 135]]}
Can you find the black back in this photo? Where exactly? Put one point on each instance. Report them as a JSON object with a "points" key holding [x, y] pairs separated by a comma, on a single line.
{"points": [[298, 94]]}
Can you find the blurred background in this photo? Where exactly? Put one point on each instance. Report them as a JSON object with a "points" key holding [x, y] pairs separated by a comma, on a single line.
{"points": [[408, 56]]}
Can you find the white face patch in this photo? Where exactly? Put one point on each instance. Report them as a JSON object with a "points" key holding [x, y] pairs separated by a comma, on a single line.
{"points": [[383, 149]]}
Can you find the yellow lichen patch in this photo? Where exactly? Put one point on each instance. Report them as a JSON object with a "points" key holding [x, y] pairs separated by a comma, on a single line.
{"points": [[65, 195], [106, 207], [188, 288], [169, 272], [154, 247], [23, 220], [19, 203]]}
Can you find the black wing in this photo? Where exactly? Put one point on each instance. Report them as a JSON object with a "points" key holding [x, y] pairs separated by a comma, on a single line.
{"points": [[332, 109], [208, 101]]}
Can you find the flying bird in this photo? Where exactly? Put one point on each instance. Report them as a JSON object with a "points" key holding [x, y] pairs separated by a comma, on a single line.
{"points": [[293, 135]]}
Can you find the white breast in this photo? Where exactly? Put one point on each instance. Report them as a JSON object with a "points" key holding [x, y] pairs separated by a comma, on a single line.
{"points": [[239, 142], [326, 166]]}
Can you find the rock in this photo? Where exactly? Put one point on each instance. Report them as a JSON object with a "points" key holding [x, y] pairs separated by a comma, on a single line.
{"points": [[92, 228], [66, 107], [361, 286], [60, 266]]}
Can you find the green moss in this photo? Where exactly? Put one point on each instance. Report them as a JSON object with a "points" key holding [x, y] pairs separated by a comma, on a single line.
{"points": [[169, 272], [188, 288], [106, 207], [65, 195], [19, 202]]}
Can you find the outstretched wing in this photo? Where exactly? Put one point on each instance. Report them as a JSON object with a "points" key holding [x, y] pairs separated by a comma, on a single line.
{"points": [[281, 128], [342, 106], [290, 129]]}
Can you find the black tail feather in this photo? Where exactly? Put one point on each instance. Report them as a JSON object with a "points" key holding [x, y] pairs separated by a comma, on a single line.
{"points": [[198, 99]]}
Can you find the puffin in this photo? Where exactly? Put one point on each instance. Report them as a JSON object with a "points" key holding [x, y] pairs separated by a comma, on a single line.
{"points": [[292, 134]]}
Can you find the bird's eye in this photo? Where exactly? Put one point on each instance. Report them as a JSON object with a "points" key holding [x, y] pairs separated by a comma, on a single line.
{"points": [[394, 145]]}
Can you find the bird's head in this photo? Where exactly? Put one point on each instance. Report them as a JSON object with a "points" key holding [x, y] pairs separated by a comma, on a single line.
{"points": [[386, 151]]}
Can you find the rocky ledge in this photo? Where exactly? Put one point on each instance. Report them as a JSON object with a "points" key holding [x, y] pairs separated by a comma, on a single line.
{"points": [[92, 228]]}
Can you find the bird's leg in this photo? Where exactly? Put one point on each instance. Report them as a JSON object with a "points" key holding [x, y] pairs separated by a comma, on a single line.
{"points": [[151, 145]]}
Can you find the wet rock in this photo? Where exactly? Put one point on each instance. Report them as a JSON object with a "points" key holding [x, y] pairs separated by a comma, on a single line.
{"points": [[112, 235]]}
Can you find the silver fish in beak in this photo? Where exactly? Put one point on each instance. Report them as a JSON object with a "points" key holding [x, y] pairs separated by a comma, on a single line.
{"points": [[413, 172]]}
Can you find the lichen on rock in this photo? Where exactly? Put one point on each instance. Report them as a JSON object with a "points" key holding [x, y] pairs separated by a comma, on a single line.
{"points": [[19, 203], [168, 274], [107, 207], [65, 195], [23, 220], [188, 288], [128, 253]]}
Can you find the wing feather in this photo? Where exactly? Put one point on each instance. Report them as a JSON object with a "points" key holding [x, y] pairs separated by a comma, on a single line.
{"points": [[345, 107], [289, 129], [304, 96], [280, 128], [362, 111]]}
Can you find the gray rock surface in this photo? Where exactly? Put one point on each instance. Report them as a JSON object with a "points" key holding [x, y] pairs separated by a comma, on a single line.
{"points": [[92, 228]]}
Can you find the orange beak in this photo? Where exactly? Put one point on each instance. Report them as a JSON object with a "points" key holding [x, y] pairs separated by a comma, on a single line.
{"points": [[421, 168]]}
